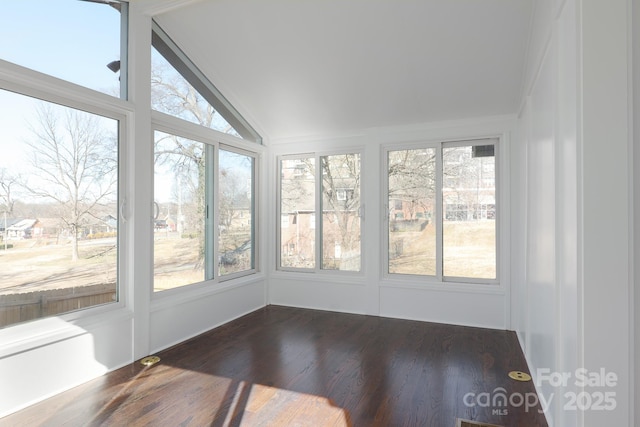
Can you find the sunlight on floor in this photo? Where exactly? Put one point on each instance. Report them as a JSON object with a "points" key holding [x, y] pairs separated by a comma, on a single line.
{"points": [[254, 404]]}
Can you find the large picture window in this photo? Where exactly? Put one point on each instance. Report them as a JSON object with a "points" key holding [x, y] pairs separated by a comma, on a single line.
{"points": [[320, 232], [441, 201], [58, 209]]}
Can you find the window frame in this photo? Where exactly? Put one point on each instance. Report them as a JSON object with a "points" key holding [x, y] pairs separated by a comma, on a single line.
{"points": [[27, 82], [439, 145], [217, 140], [181, 62], [318, 215], [249, 143]]}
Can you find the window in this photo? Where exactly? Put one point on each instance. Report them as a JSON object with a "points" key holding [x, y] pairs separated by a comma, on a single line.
{"points": [[445, 225], [204, 186], [236, 212], [412, 198], [185, 204], [58, 209], [180, 200], [335, 244], [91, 51], [297, 198], [180, 89]]}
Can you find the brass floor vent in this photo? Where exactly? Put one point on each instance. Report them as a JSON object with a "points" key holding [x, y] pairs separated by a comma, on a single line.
{"points": [[467, 423], [150, 360]]}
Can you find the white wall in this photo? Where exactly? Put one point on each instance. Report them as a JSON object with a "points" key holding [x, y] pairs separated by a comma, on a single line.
{"points": [[370, 292], [573, 291]]}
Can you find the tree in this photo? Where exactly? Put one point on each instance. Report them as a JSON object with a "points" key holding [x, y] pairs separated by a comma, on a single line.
{"points": [[7, 181], [341, 207], [412, 179], [75, 159]]}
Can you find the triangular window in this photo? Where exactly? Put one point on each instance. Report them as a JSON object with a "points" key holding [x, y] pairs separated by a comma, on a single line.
{"points": [[180, 89]]}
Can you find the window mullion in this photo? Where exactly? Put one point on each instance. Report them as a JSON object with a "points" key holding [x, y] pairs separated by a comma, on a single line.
{"points": [[439, 213], [319, 243], [210, 217]]}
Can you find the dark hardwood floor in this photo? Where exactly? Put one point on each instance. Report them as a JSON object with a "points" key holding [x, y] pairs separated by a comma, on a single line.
{"points": [[282, 366]]}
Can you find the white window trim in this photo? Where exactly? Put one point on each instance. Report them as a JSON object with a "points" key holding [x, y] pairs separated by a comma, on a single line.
{"points": [[196, 78], [318, 215], [439, 277], [217, 140], [24, 81]]}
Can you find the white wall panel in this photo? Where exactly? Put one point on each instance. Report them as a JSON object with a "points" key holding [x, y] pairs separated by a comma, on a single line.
{"points": [[175, 319], [442, 306], [567, 205], [79, 354], [322, 293], [636, 196], [606, 199], [541, 231], [575, 125]]}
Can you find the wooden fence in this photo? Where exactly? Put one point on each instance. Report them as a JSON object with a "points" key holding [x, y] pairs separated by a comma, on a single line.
{"points": [[22, 307]]}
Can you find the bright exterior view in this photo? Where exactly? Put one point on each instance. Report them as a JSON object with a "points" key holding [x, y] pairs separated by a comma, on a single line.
{"points": [[59, 163], [59, 171], [412, 203], [58, 200], [464, 194], [203, 190], [184, 224], [338, 236]]}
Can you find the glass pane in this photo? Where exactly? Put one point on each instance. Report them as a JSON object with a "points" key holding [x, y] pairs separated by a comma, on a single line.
{"points": [[172, 94], [235, 207], [179, 224], [469, 212], [78, 41], [297, 210], [58, 209], [412, 232], [341, 212]]}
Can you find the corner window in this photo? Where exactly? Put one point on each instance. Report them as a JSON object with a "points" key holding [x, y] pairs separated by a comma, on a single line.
{"points": [[204, 185], [90, 51], [441, 217], [58, 209], [335, 243], [188, 212]]}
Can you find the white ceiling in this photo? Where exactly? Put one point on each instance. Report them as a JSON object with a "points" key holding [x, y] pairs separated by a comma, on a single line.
{"points": [[318, 67]]}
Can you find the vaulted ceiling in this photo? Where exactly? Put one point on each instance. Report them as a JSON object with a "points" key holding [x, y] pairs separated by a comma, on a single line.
{"points": [[318, 67]]}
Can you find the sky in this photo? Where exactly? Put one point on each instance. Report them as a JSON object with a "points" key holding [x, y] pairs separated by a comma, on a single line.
{"points": [[74, 43], [69, 39]]}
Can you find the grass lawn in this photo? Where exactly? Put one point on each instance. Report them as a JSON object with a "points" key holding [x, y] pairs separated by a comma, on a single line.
{"points": [[469, 250]]}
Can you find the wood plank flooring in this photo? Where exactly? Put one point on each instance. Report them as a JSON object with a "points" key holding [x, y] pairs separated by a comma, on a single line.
{"points": [[282, 366]]}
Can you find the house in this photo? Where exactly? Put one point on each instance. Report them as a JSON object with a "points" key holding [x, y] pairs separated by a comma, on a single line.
{"points": [[23, 229], [555, 82]]}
